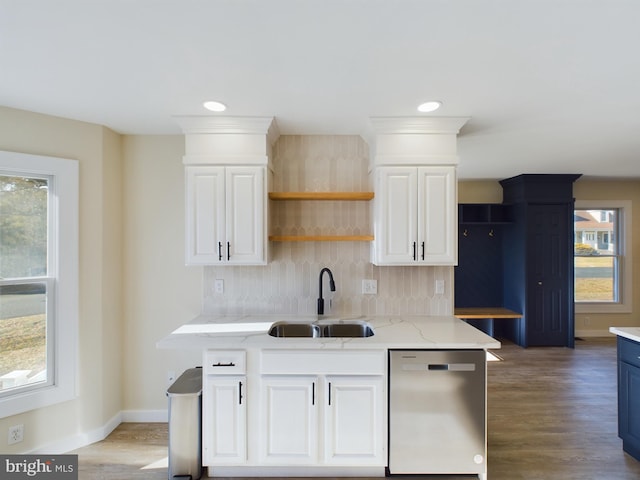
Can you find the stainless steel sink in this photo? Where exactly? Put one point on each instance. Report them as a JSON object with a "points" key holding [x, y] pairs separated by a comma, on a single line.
{"points": [[347, 329], [292, 329], [328, 329]]}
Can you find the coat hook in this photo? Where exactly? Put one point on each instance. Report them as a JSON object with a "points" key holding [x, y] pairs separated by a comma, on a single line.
{"points": [[465, 233], [491, 232]]}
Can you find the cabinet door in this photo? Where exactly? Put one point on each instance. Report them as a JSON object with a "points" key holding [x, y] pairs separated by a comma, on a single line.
{"points": [[289, 429], [549, 282], [224, 420], [629, 414], [395, 216], [245, 225], [205, 214], [354, 421], [437, 216]]}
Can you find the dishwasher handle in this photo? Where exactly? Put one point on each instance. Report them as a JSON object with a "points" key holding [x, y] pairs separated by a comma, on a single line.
{"points": [[442, 367]]}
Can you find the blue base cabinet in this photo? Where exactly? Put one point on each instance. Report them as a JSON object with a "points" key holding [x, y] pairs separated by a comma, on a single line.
{"points": [[629, 396]]}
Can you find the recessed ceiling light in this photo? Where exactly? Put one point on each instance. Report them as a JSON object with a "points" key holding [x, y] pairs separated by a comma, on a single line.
{"points": [[427, 107], [215, 106]]}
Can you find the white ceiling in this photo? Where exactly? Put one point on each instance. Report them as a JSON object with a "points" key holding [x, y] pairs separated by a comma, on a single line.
{"points": [[550, 85]]}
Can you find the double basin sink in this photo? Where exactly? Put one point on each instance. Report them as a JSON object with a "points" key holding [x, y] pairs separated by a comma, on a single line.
{"points": [[322, 329]]}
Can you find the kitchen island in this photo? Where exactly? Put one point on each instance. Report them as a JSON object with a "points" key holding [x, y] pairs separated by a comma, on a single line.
{"points": [[629, 388], [319, 406]]}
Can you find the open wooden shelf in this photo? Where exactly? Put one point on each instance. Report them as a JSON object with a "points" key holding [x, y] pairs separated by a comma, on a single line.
{"points": [[321, 238], [348, 196]]}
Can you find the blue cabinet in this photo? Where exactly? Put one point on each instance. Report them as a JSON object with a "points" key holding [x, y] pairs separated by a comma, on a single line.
{"points": [[629, 396], [538, 258]]}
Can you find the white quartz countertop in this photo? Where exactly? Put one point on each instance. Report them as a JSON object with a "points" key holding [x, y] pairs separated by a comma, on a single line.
{"points": [[413, 332], [632, 333]]}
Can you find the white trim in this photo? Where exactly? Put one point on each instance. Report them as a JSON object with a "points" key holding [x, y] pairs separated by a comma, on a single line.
{"points": [[295, 471], [417, 125], [625, 245], [79, 440], [64, 192], [145, 416], [68, 444], [593, 333]]}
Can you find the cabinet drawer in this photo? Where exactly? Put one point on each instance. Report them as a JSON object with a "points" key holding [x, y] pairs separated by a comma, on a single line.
{"points": [[629, 351], [323, 362], [225, 362]]}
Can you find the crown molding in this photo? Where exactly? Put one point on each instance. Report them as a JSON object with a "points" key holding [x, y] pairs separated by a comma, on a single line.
{"points": [[203, 124], [417, 125]]}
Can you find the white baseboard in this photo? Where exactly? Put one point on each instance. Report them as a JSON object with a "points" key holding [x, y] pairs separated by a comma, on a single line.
{"points": [[68, 444], [145, 416], [593, 333], [79, 440]]}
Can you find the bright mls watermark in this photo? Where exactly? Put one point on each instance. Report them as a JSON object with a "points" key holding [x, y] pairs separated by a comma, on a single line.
{"points": [[51, 467]]}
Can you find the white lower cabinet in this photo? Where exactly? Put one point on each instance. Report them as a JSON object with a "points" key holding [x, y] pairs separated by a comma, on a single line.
{"points": [[292, 409], [224, 439], [289, 420], [335, 417], [354, 414], [224, 408]]}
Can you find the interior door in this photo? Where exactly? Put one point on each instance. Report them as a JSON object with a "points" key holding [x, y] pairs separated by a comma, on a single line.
{"points": [[549, 317]]}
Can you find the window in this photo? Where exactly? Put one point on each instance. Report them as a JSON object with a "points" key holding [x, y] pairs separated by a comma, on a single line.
{"points": [[602, 263], [38, 281]]}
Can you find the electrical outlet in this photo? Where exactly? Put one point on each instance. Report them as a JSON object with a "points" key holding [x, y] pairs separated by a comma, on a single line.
{"points": [[439, 287], [219, 285], [16, 434], [370, 287]]}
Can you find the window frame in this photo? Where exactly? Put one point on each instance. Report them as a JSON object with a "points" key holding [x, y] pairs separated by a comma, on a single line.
{"points": [[64, 274], [625, 261]]}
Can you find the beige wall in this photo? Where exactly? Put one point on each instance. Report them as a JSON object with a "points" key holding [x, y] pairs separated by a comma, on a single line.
{"points": [[160, 292], [99, 381], [590, 324], [586, 189]]}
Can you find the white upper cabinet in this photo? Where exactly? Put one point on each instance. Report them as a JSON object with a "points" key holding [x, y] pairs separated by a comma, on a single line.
{"points": [[415, 212], [437, 216], [415, 206], [226, 215], [227, 171]]}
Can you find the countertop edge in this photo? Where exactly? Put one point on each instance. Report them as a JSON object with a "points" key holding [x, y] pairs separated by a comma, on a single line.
{"points": [[632, 333]]}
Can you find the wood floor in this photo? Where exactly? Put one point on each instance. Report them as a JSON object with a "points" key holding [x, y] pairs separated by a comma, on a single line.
{"points": [[552, 415]]}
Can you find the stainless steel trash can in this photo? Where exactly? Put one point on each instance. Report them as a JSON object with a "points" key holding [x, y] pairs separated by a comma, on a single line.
{"points": [[185, 425]]}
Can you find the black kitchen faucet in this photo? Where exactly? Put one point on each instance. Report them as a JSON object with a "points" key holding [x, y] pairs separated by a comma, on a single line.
{"points": [[332, 286]]}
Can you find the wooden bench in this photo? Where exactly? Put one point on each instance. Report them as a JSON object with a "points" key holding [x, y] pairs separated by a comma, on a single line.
{"points": [[485, 313]]}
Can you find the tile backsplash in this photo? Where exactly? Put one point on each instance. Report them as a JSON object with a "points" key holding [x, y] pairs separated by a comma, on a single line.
{"points": [[289, 283]]}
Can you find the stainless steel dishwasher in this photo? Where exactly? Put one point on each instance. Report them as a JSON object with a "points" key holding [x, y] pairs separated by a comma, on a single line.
{"points": [[437, 412]]}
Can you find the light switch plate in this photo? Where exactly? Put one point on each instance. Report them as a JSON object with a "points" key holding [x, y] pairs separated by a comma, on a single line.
{"points": [[370, 287]]}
